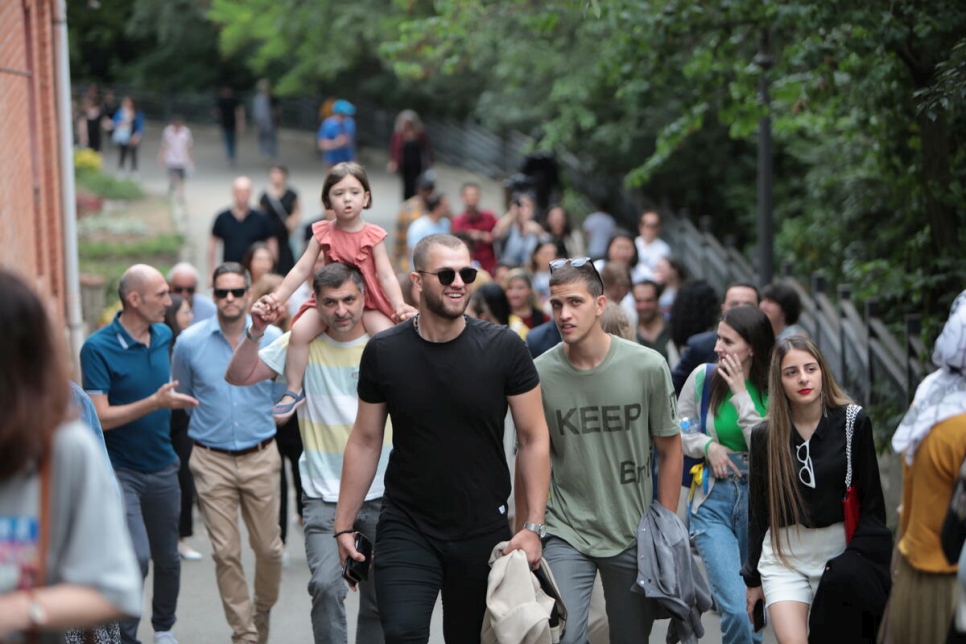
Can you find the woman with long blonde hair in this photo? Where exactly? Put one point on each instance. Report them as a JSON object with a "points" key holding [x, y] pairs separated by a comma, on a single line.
{"points": [[798, 473]]}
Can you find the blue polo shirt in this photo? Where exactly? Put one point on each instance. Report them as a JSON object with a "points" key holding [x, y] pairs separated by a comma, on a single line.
{"points": [[228, 417], [330, 129], [115, 364]]}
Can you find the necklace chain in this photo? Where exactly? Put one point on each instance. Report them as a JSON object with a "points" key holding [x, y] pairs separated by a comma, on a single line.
{"points": [[419, 331]]}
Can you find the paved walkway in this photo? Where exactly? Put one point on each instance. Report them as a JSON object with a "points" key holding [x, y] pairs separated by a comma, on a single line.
{"points": [[200, 616]]}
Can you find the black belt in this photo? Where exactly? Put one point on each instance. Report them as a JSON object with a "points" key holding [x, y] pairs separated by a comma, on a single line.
{"points": [[238, 452]]}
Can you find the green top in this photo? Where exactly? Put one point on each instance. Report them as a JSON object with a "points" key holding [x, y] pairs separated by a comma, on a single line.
{"points": [[726, 420], [601, 421]]}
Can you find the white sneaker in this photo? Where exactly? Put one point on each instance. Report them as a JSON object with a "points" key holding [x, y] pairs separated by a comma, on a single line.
{"points": [[164, 637], [188, 553]]}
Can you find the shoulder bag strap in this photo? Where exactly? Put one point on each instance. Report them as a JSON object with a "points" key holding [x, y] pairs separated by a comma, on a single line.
{"points": [[44, 534], [709, 370], [850, 414]]}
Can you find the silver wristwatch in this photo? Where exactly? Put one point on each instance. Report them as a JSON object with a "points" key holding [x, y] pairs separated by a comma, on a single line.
{"points": [[253, 338], [539, 528]]}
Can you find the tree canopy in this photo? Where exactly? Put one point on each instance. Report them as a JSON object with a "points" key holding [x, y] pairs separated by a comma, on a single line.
{"points": [[867, 104]]}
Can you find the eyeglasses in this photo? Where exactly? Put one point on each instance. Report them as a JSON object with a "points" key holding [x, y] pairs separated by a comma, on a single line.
{"points": [[807, 473], [447, 276], [183, 290], [222, 293], [576, 262]]}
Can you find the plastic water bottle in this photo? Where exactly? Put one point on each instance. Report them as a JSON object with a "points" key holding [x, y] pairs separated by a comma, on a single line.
{"points": [[687, 426]]}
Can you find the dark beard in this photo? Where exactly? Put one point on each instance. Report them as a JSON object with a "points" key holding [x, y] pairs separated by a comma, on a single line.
{"points": [[435, 305]]}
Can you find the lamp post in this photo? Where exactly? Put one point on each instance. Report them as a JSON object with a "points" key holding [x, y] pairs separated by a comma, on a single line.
{"points": [[766, 234]]}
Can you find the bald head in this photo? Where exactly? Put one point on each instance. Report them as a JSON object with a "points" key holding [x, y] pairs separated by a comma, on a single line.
{"points": [[182, 270], [136, 279], [241, 191]]}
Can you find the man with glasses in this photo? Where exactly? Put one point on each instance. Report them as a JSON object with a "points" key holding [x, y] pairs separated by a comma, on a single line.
{"points": [[127, 374], [606, 400], [235, 462], [446, 381], [183, 281]]}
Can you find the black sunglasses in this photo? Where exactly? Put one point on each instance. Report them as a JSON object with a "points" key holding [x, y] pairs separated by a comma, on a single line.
{"points": [[189, 290], [447, 276], [222, 293], [576, 262]]}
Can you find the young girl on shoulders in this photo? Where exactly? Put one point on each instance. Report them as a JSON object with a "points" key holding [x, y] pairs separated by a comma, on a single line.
{"points": [[348, 239]]}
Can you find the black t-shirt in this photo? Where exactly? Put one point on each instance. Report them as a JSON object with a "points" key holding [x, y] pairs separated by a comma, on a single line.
{"points": [[237, 235], [226, 106], [278, 215], [447, 471]]}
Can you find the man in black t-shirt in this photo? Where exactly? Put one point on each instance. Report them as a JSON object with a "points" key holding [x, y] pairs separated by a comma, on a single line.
{"points": [[239, 227], [446, 381], [231, 116]]}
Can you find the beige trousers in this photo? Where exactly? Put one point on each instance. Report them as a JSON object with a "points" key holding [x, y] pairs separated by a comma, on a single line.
{"points": [[250, 483]]}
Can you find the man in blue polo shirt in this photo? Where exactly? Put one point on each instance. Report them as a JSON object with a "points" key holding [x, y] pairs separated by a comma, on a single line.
{"points": [[337, 134], [235, 461], [126, 369]]}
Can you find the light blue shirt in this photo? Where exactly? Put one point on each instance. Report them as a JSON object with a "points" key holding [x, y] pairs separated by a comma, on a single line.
{"points": [[424, 227], [228, 417]]}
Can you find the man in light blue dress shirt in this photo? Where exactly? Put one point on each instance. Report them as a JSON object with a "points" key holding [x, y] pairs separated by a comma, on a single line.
{"points": [[235, 461]]}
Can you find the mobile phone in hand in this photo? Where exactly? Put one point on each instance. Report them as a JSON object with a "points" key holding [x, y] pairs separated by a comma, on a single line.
{"points": [[355, 571], [759, 615]]}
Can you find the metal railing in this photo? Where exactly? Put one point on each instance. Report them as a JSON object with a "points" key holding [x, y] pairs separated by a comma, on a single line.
{"points": [[878, 369]]}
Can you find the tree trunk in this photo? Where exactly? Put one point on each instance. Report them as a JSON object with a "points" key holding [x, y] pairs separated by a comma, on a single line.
{"points": [[935, 178]]}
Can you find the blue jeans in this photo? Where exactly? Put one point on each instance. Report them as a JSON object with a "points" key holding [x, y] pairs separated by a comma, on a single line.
{"points": [[152, 502], [629, 614], [230, 138], [719, 529], [327, 587]]}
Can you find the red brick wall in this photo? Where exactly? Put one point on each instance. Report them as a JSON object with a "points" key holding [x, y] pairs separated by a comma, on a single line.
{"points": [[30, 184]]}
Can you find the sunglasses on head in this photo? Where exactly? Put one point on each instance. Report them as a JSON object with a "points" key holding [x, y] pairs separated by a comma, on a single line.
{"points": [[187, 290], [222, 293], [576, 262], [447, 276]]}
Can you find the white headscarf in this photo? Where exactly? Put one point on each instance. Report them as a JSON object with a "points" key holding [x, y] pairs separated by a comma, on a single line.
{"points": [[942, 393]]}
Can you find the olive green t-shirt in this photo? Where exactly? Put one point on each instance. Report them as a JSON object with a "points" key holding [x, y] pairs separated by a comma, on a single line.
{"points": [[601, 421]]}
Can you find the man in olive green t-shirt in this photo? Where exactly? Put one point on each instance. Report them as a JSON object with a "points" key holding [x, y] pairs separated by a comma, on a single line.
{"points": [[606, 400]]}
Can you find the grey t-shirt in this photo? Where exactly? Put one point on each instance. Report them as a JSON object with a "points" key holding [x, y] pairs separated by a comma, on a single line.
{"points": [[601, 421], [599, 227], [89, 541]]}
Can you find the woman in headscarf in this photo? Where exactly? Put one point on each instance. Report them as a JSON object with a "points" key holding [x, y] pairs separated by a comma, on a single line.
{"points": [[932, 441]]}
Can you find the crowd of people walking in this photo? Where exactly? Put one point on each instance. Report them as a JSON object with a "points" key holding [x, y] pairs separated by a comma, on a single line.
{"points": [[493, 383]]}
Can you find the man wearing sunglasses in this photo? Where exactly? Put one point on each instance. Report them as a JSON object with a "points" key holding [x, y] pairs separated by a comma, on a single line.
{"points": [[183, 281], [606, 400], [325, 419], [235, 461], [446, 381]]}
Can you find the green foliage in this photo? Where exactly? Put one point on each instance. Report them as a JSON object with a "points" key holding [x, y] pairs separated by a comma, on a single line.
{"points": [[94, 181], [160, 245], [161, 45]]}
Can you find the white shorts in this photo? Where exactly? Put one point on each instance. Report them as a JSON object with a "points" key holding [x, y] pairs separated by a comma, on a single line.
{"points": [[806, 550]]}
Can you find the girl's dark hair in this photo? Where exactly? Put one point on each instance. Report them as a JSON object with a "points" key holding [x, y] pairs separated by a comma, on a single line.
{"points": [[495, 300], [250, 255], [34, 393], [621, 233], [787, 298], [677, 264], [694, 310], [568, 226], [171, 316], [754, 328], [339, 172]]}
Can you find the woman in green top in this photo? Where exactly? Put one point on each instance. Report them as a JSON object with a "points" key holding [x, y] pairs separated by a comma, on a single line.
{"points": [[737, 397]]}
